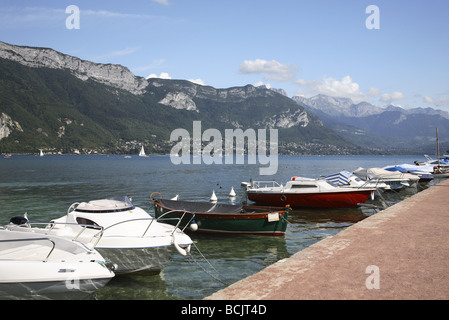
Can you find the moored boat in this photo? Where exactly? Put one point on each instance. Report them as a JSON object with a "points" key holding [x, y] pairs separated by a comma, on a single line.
{"points": [[121, 232], [302, 192], [347, 179], [218, 218], [396, 180], [424, 174], [36, 266]]}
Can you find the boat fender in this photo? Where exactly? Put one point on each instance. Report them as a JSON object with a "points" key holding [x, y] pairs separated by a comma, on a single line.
{"points": [[193, 226], [182, 251], [283, 197]]}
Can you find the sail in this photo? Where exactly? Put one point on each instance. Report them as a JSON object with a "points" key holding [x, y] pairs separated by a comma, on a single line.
{"points": [[142, 152]]}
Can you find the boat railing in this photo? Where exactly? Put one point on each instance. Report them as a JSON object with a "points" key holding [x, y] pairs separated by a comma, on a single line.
{"points": [[184, 212], [53, 244], [51, 225], [265, 184], [150, 219]]}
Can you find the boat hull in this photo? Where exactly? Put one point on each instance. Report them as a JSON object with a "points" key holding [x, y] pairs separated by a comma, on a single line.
{"points": [[255, 223], [44, 290], [311, 200], [138, 260]]}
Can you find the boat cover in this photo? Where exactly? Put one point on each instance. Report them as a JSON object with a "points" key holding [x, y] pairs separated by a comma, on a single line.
{"points": [[339, 179], [203, 207]]}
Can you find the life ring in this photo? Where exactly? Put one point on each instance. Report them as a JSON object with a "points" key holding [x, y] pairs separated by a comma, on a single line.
{"points": [[283, 197], [151, 196]]}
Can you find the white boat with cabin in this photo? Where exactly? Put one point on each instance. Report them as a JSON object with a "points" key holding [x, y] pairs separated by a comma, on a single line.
{"points": [[396, 180], [122, 233], [37, 266]]}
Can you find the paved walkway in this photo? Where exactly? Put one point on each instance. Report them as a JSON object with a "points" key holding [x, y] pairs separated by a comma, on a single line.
{"points": [[399, 253]]}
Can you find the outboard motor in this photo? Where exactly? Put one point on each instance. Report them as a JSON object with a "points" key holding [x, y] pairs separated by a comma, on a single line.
{"points": [[19, 220]]}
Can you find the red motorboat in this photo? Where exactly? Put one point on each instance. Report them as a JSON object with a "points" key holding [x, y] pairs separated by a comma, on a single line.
{"points": [[307, 193]]}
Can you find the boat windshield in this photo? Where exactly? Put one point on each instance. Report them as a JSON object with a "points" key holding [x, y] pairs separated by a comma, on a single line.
{"points": [[106, 205]]}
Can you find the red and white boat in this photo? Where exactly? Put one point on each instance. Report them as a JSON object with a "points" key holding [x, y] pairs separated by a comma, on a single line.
{"points": [[307, 193]]}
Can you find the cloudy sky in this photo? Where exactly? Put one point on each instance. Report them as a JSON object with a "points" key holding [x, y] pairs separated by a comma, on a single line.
{"points": [[383, 52]]}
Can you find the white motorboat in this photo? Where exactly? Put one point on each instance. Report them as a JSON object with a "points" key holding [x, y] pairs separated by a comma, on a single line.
{"points": [[425, 173], [441, 161], [36, 266], [396, 180], [122, 233], [438, 168]]}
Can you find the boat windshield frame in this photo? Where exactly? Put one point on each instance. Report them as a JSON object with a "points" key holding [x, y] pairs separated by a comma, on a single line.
{"points": [[127, 205]]}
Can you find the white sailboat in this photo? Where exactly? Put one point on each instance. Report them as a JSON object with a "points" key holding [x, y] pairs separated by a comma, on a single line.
{"points": [[142, 152], [41, 153]]}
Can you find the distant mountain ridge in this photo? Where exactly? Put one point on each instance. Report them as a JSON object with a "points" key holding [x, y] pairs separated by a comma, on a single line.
{"points": [[64, 104], [109, 74], [337, 107], [371, 126]]}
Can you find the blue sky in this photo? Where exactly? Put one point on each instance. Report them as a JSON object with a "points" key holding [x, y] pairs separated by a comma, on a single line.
{"points": [[305, 47]]}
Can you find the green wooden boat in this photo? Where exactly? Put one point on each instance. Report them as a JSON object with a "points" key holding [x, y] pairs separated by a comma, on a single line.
{"points": [[224, 219]]}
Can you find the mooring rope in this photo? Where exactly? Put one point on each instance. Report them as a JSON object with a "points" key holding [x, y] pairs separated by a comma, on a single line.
{"points": [[206, 271]]}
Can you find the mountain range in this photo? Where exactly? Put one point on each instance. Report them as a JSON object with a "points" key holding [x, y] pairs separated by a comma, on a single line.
{"points": [[63, 104], [393, 127]]}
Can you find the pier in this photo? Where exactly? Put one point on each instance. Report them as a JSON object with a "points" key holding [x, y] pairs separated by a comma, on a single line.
{"points": [[399, 253]]}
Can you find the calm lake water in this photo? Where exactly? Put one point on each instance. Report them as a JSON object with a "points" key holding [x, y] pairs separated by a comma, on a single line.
{"points": [[45, 187]]}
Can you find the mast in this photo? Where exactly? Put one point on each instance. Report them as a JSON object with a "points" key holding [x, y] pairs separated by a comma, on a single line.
{"points": [[438, 150]]}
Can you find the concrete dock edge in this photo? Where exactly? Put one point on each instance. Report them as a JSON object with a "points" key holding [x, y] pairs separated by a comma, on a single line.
{"points": [[399, 253]]}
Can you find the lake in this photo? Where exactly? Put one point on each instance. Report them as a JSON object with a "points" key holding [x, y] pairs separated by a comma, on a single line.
{"points": [[45, 187]]}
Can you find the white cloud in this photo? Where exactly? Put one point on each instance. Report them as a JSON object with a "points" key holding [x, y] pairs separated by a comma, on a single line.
{"points": [[373, 92], [344, 88], [30, 16], [112, 14], [261, 83], [197, 81], [164, 2], [273, 69], [390, 97], [162, 75], [155, 64], [436, 102], [117, 53]]}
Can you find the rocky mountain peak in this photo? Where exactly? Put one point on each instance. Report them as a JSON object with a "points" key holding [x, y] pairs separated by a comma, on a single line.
{"points": [[110, 74], [337, 106]]}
